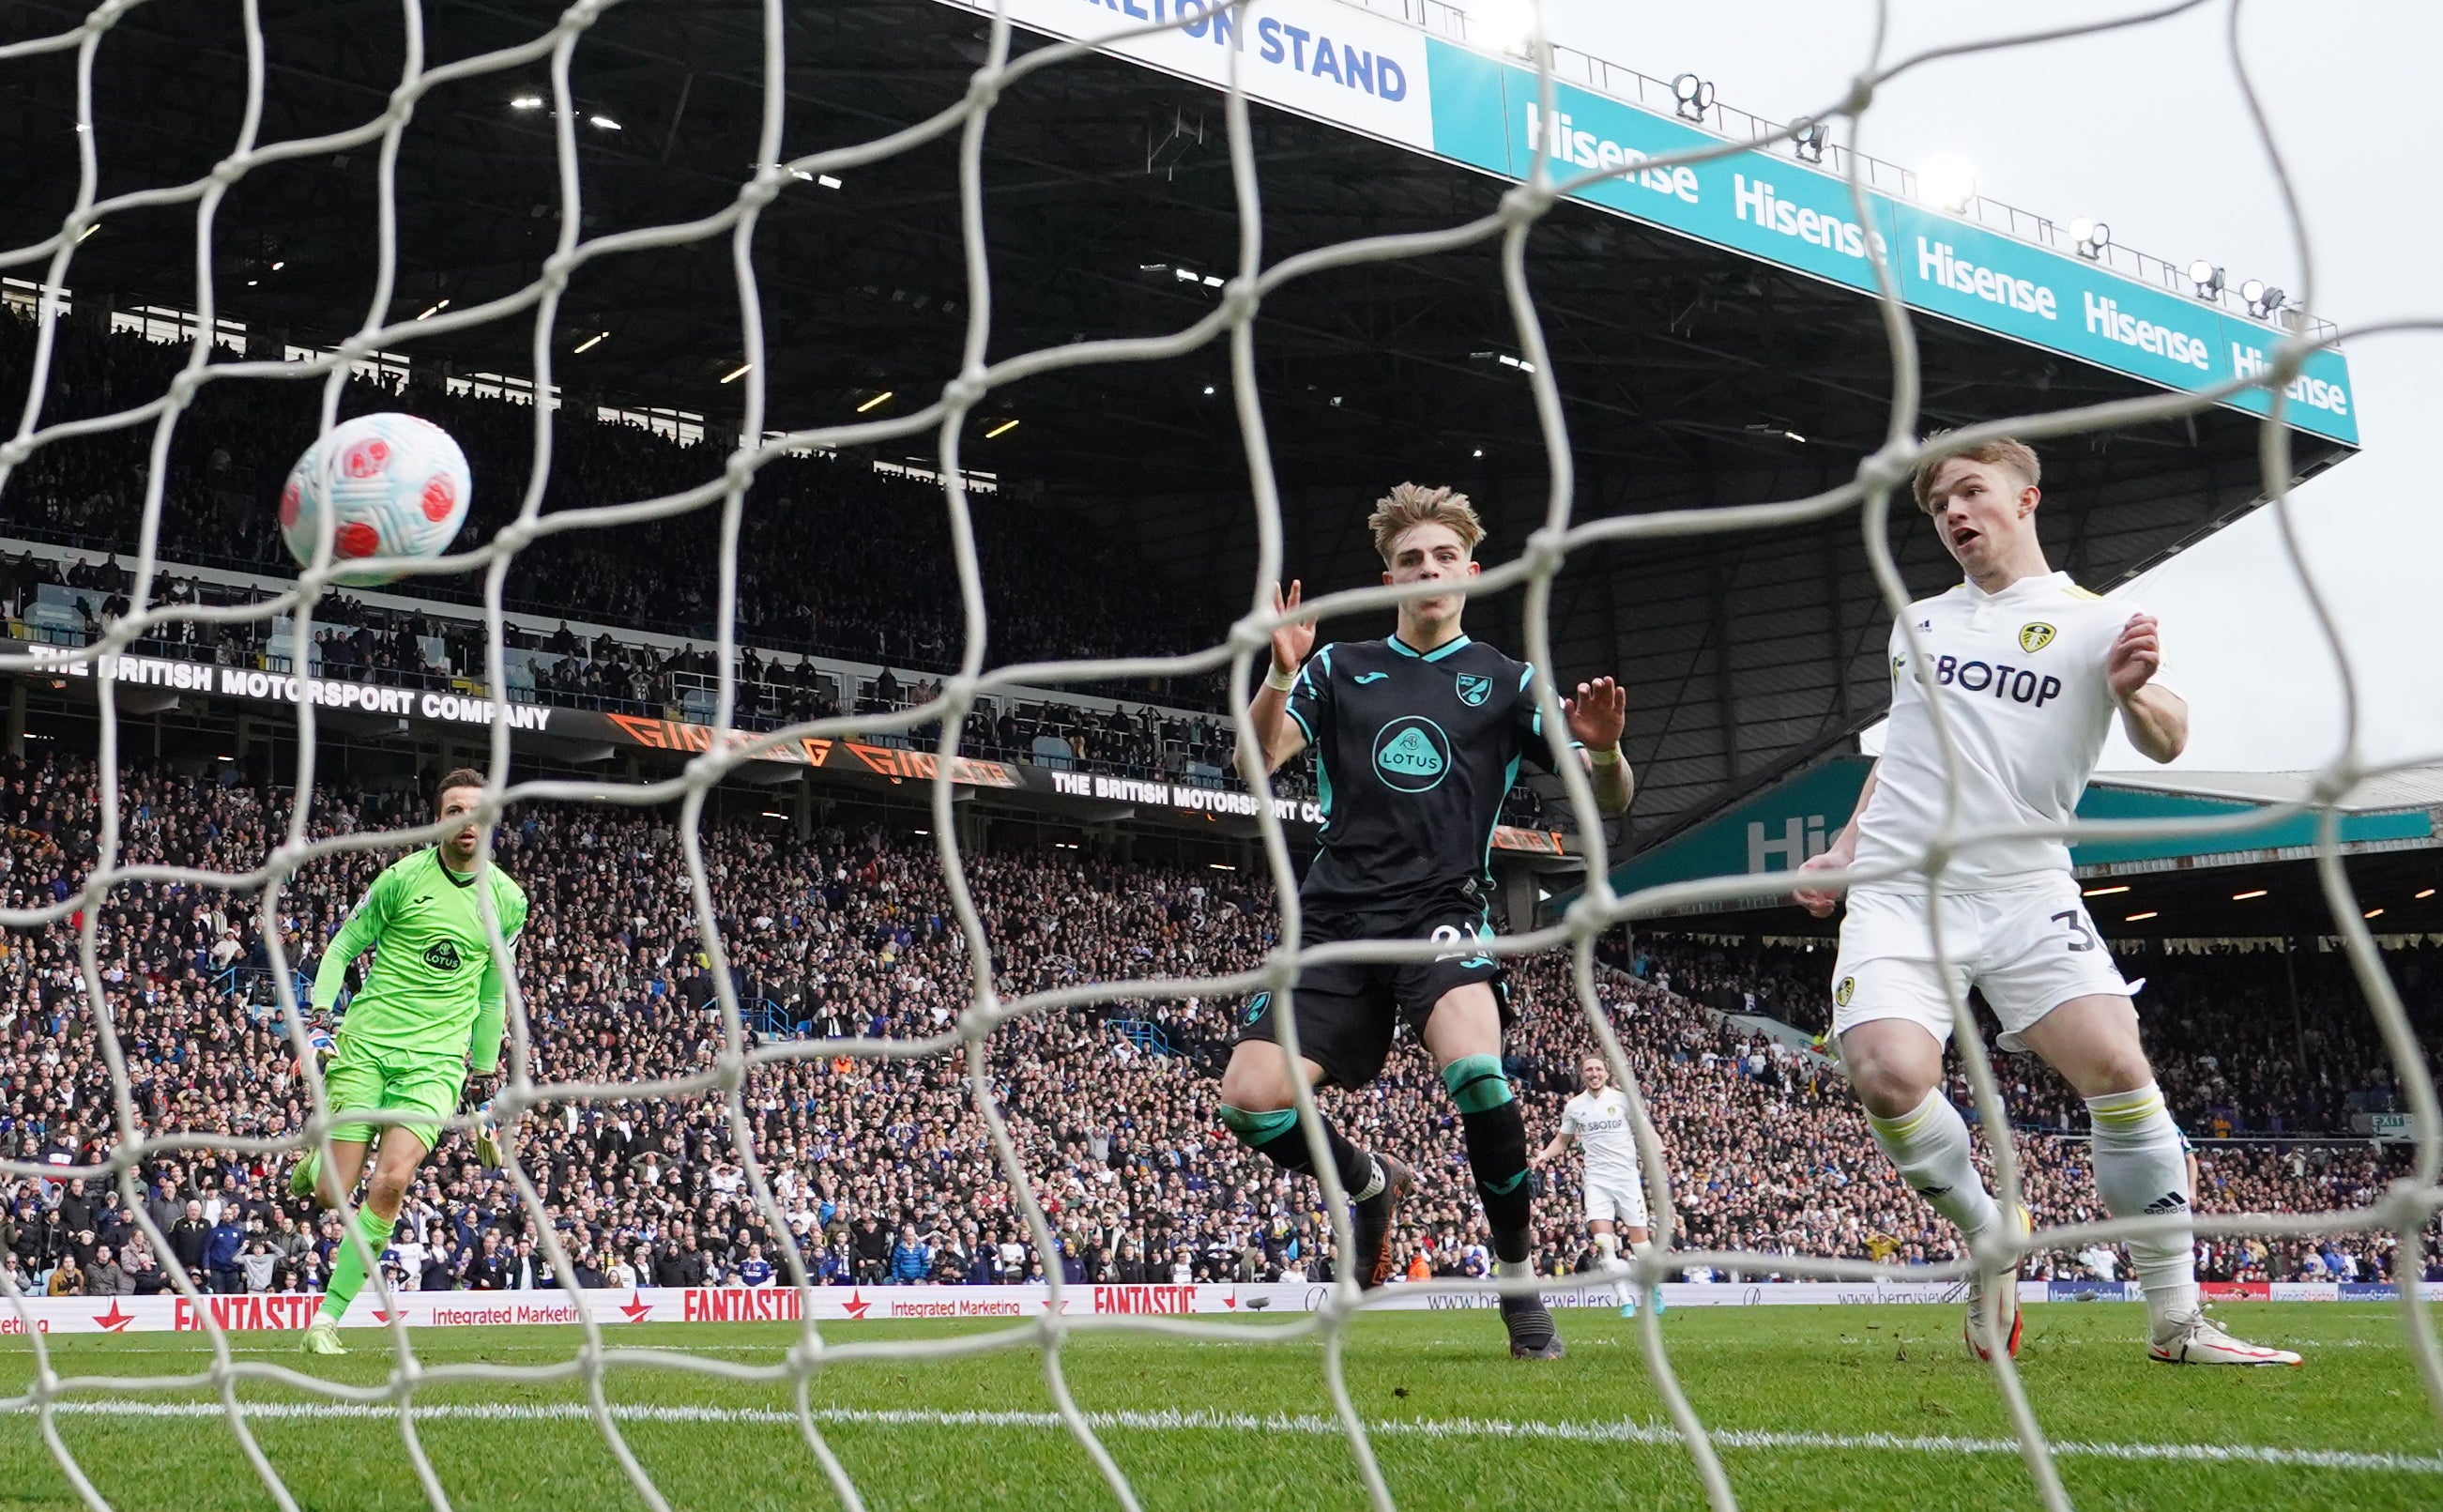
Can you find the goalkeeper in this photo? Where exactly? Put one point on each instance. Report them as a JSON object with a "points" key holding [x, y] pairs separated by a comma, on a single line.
{"points": [[429, 1009]]}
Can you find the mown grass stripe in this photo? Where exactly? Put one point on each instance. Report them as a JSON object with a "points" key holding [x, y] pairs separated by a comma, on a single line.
{"points": [[1169, 1420]]}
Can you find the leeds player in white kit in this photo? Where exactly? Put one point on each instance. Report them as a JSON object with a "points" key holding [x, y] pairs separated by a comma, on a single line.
{"points": [[2030, 670], [1616, 1196]]}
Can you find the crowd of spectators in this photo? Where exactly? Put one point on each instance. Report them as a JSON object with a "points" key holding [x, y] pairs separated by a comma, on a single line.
{"points": [[881, 1170], [833, 557], [2249, 1038], [425, 648]]}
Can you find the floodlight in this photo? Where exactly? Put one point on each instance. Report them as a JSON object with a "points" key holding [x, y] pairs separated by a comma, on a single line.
{"points": [[1508, 26], [2205, 279], [1808, 139], [1948, 183], [1695, 96], [2090, 238]]}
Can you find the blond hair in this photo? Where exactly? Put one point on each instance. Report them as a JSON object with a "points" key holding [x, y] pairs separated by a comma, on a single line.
{"points": [[1411, 505], [2017, 457]]}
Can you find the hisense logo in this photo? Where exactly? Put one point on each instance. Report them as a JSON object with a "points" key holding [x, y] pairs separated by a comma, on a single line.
{"points": [[2105, 318], [1560, 140], [2247, 362], [1938, 264], [1755, 200]]}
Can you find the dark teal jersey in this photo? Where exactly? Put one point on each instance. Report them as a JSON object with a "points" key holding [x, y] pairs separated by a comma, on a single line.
{"points": [[1413, 753]]}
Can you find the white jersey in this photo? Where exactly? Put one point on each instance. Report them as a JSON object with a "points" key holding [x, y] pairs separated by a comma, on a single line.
{"points": [[2021, 676], [1600, 1121]]}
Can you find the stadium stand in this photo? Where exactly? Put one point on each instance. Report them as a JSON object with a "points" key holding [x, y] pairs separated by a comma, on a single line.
{"points": [[882, 1167], [826, 569], [837, 556]]}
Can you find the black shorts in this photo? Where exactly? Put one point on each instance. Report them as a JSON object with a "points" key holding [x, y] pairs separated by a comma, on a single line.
{"points": [[1347, 1012]]}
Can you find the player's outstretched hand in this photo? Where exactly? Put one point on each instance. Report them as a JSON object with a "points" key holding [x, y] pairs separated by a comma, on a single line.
{"points": [[2135, 656], [1294, 643], [1820, 899], [1599, 713]]}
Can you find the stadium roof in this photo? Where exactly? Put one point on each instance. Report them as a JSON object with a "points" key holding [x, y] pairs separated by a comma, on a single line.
{"points": [[2256, 879], [1701, 366], [2411, 787]]}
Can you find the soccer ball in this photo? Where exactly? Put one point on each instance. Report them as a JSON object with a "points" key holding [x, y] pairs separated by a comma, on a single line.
{"points": [[395, 486]]}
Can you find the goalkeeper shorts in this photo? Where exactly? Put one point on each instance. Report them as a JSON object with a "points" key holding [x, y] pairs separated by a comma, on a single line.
{"points": [[361, 1078]]}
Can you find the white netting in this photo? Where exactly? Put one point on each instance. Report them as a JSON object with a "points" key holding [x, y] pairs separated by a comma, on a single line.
{"points": [[2404, 1210]]}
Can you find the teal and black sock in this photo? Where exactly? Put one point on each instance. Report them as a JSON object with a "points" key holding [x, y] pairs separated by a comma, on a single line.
{"points": [[1497, 1149], [1277, 1136]]}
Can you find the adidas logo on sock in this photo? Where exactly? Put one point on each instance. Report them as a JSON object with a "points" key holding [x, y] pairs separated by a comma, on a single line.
{"points": [[2171, 1202]]}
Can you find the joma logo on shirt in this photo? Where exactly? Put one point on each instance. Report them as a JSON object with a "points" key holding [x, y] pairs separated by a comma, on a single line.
{"points": [[442, 956]]}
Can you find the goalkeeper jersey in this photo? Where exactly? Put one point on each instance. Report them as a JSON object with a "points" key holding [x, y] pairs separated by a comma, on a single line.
{"points": [[433, 985]]}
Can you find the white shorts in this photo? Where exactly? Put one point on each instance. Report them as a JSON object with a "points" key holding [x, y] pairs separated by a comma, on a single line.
{"points": [[2028, 949], [1616, 1202]]}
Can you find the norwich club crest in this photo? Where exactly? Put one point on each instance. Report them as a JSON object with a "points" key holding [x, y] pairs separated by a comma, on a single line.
{"points": [[1847, 989], [1472, 689], [2036, 637]]}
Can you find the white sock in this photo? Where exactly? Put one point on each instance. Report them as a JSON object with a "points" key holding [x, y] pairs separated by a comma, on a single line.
{"points": [[1512, 1269], [1929, 1147], [1608, 1250], [1639, 1248], [1374, 1183], [2142, 1166]]}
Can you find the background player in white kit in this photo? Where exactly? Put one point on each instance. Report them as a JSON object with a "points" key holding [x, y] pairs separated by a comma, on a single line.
{"points": [[2030, 670], [1598, 1118]]}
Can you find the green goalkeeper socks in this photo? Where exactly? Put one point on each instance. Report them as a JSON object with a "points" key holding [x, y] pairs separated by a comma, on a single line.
{"points": [[348, 1266]]}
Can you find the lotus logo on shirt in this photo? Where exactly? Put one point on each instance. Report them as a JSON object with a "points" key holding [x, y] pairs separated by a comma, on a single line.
{"points": [[1412, 754], [1472, 689], [2036, 638], [441, 956]]}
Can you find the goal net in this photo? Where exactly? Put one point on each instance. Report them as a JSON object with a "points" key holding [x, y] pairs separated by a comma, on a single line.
{"points": [[300, 839]]}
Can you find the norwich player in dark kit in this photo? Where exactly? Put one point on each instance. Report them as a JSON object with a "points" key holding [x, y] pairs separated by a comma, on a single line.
{"points": [[1416, 740]]}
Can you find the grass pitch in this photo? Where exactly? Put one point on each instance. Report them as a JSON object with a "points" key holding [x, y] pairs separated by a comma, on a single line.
{"points": [[1829, 1408]]}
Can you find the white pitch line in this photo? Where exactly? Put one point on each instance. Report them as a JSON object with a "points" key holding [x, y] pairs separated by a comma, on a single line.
{"points": [[1172, 1421]]}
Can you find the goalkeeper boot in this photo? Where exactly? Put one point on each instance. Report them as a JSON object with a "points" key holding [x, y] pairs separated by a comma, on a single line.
{"points": [[302, 1180], [2003, 1284], [1371, 1222], [1532, 1334], [2196, 1340], [323, 1337]]}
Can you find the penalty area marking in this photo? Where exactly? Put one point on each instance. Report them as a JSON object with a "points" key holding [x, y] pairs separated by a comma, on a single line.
{"points": [[1173, 1422]]}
